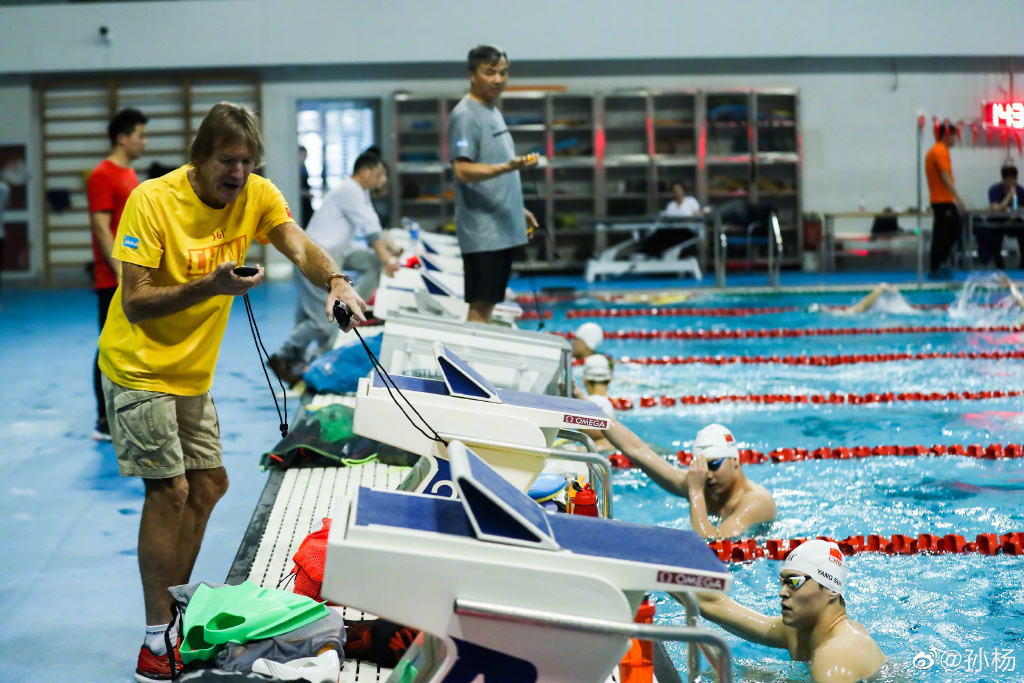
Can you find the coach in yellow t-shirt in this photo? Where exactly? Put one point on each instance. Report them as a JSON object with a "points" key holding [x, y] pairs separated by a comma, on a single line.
{"points": [[179, 240]]}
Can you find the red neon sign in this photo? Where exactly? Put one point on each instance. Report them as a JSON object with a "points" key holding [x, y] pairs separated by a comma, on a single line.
{"points": [[1004, 114]]}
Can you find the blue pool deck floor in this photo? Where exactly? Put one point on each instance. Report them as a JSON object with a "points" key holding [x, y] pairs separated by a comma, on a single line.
{"points": [[70, 602]]}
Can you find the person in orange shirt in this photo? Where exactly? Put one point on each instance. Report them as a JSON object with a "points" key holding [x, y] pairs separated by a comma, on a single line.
{"points": [[946, 202], [108, 188], [179, 240]]}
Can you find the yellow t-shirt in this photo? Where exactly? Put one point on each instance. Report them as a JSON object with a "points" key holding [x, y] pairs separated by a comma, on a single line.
{"points": [[166, 227]]}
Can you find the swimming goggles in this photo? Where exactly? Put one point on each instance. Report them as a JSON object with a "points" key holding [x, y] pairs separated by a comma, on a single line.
{"points": [[713, 465], [794, 582]]}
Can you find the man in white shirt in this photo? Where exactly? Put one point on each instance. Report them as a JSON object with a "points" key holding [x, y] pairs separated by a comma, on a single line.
{"points": [[681, 204], [346, 214]]}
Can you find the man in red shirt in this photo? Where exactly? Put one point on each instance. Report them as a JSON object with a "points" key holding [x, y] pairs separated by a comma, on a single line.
{"points": [[108, 188], [946, 202]]}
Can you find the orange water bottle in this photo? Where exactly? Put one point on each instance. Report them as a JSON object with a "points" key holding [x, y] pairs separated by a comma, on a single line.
{"points": [[585, 502], [638, 664]]}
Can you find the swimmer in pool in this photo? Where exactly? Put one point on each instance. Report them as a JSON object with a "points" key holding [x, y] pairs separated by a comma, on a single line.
{"points": [[714, 483], [814, 626], [1014, 293], [597, 375], [884, 296], [586, 340]]}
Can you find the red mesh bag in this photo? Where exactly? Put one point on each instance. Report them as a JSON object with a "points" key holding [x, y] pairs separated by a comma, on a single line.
{"points": [[309, 562]]}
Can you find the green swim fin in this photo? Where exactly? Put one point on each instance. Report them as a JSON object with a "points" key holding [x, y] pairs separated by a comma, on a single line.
{"points": [[239, 614]]}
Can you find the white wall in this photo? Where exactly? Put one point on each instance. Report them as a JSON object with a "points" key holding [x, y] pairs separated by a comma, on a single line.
{"points": [[255, 33], [858, 131], [857, 114]]}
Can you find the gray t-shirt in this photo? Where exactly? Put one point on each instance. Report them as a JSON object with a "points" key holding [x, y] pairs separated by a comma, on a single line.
{"points": [[488, 214]]}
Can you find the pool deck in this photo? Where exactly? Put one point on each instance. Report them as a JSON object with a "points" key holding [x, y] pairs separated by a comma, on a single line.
{"points": [[71, 602]]}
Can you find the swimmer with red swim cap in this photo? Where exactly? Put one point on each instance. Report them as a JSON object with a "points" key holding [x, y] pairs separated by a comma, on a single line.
{"points": [[814, 626]]}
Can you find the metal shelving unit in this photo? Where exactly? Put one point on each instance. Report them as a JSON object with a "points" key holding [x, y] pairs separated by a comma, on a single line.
{"points": [[615, 153]]}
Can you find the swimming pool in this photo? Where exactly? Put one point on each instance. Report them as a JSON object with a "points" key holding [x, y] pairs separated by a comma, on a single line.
{"points": [[953, 617]]}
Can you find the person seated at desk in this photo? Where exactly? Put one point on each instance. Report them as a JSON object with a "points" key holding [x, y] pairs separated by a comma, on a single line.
{"points": [[885, 224], [681, 205], [1004, 196]]}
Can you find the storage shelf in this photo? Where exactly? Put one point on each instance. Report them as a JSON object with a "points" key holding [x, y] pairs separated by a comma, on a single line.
{"points": [[642, 141]]}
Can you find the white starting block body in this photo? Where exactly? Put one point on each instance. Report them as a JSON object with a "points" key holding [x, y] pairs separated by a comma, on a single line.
{"points": [[399, 293], [423, 561], [465, 404], [440, 244], [516, 359]]}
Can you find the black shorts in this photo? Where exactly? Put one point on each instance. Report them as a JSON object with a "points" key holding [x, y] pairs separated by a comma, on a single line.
{"points": [[486, 274]]}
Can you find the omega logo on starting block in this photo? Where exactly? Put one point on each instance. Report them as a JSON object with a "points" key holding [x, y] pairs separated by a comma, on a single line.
{"points": [[683, 579], [585, 421]]}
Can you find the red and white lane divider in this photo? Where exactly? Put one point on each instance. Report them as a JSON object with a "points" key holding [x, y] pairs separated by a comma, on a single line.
{"points": [[791, 332], [748, 456], [648, 401], [535, 315], [816, 360], [680, 311], [749, 549], [671, 312]]}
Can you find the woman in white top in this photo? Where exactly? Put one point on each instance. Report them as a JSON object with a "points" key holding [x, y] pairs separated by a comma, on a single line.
{"points": [[681, 205]]}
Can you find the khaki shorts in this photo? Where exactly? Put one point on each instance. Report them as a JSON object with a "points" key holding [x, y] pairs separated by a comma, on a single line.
{"points": [[159, 436]]}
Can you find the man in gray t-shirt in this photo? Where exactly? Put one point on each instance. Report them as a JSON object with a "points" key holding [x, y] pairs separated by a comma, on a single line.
{"points": [[490, 219]]}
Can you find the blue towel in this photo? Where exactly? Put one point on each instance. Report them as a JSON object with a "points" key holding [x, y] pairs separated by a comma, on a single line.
{"points": [[339, 371]]}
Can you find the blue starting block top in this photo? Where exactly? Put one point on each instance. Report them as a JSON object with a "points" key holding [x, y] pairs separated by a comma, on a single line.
{"points": [[436, 287], [496, 512], [462, 381]]}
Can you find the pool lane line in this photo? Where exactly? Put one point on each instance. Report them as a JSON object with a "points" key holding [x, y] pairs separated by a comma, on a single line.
{"points": [[749, 456], [818, 360], [792, 332], [749, 549], [724, 312], [647, 401]]}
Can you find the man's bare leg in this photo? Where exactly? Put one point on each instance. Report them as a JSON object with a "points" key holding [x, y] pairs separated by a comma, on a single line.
{"points": [[480, 312], [160, 559], [205, 488]]}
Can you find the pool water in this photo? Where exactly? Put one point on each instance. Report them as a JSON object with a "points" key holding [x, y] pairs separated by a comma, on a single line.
{"points": [[942, 618]]}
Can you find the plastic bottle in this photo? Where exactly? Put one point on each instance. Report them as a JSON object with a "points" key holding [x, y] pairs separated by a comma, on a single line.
{"points": [[585, 502], [638, 664], [413, 227], [1014, 201]]}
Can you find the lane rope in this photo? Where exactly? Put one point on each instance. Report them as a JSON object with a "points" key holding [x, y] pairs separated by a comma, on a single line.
{"points": [[790, 332], [749, 456], [679, 311], [749, 549], [816, 360], [648, 401]]}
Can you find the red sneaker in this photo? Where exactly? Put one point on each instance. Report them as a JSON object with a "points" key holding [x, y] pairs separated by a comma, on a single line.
{"points": [[153, 668]]}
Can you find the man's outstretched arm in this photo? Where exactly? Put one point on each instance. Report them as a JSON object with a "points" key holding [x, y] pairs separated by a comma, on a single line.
{"points": [[741, 621], [672, 479]]}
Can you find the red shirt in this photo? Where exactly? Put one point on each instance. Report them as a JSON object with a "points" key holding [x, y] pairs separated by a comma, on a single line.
{"points": [[108, 189]]}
